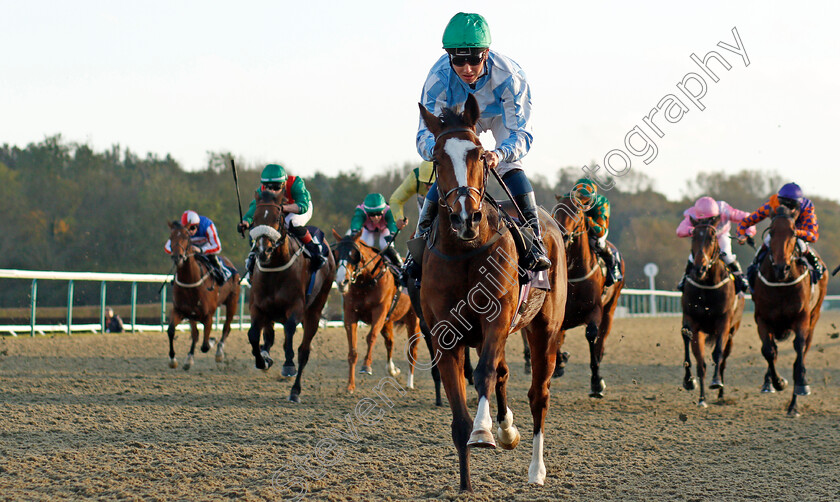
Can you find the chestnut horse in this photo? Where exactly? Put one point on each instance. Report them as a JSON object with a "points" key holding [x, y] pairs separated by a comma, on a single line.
{"points": [[196, 296], [469, 295], [711, 310], [589, 303], [279, 291], [786, 301], [371, 295]]}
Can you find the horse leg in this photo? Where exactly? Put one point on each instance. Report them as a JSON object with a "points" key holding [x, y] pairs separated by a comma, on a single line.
{"points": [[378, 317], [543, 359], [261, 362], [486, 378], [388, 335], [351, 327], [596, 351], [411, 330], [206, 342], [468, 367], [435, 370], [507, 432], [310, 327], [772, 380], [230, 311], [562, 357], [726, 351], [689, 382], [698, 345], [526, 351], [451, 371], [170, 331], [800, 383], [190, 356], [289, 328], [722, 340]]}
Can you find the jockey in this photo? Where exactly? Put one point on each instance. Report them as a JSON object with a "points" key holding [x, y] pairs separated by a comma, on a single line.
{"points": [[417, 183], [807, 228], [205, 240], [707, 207], [504, 99], [376, 222], [597, 213], [297, 206]]}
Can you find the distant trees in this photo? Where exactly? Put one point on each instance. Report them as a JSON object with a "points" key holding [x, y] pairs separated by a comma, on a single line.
{"points": [[67, 207]]}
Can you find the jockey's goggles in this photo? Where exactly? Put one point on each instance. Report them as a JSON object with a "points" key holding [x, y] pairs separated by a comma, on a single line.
{"points": [[374, 214], [272, 186], [192, 228], [791, 204], [463, 60]]}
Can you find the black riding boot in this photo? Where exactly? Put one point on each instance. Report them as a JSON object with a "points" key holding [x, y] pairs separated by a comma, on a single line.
{"points": [[819, 270], [249, 265], [752, 270], [392, 256], [741, 284], [613, 267], [688, 267], [316, 259], [536, 259], [413, 269]]}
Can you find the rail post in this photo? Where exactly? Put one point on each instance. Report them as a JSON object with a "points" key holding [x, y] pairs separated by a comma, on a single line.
{"points": [[102, 302], [34, 296], [69, 306], [134, 307], [651, 270]]}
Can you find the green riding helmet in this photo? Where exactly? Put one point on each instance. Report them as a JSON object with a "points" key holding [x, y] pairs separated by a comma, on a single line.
{"points": [[466, 30], [374, 203], [585, 188], [273, 173]]}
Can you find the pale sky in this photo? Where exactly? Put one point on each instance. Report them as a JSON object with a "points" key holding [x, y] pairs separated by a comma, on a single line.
{"points": [[330, 86]]}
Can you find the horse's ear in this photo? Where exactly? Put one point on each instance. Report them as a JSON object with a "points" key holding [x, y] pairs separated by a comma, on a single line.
{"points": [[357, 236], [715, 221], [171, 224], [693, 221], [471, 111], [434, 124], [336, 235]]}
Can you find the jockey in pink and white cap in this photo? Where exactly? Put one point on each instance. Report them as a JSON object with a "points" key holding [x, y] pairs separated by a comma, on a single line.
{"points": [[703, 209]]}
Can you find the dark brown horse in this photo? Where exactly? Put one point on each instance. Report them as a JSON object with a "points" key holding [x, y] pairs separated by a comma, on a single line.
{"points": [[711, 310], [786, 302], [196, 296], [371, 295], [279, 291], [589, 303], [470, 292]]}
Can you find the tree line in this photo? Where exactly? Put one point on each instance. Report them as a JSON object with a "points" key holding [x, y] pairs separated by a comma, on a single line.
{"points": [[67, 207]]}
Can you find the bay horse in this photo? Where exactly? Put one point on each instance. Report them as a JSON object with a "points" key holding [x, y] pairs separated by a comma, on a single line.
{"points": [[196, 296], [279, 286], [371, 295], [787, 302], [589, 303], [469, 295], [712, 311]]}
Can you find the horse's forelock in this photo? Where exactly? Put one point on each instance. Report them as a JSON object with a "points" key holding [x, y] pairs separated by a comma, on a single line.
{"points": [[451, 118]]}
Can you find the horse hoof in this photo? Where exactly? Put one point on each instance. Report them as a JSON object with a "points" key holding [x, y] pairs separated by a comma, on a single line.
{"points": [[794, 413], [781, 384], [767, 388], [598, 392], [220, 358], [366, 370], [716, 384], [481, 439], [393, 371], [690, 384], [289, 371], [558, 371], [212, 342], [187, 366], [294, 398], [205, 348], [510, 440], [702, 404], [802, 390], [173, 363]]}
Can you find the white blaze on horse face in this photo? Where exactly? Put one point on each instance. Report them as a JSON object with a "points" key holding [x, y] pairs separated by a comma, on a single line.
{"points": [[266, 214], [536, 471], [341, 273], [457, 150]]}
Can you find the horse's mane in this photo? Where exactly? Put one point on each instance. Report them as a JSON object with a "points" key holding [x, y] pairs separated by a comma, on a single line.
{"points": [[783, 211]]}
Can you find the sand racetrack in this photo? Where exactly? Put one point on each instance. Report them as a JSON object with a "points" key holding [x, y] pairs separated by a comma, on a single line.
{"points": [[103, 417]]}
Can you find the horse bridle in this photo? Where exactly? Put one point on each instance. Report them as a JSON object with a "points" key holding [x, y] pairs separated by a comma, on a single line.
{"points": [[569, 238], [795, 247], [713, 235], [280, 223], [466, 190], [358, 271]]}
